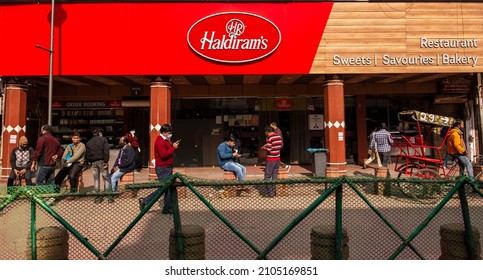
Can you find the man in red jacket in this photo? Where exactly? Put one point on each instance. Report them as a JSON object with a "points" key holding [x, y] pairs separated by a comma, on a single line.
{"points": [[163, 155]]}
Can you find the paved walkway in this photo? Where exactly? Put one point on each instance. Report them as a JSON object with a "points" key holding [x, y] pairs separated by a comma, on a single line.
{"points": [[214, 172]]}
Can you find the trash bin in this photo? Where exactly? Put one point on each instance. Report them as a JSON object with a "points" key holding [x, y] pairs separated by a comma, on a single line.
{"points": [[319, 160]]}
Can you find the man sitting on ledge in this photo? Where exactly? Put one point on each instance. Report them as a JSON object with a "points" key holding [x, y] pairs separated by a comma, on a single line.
{"points": [[226, 158]]}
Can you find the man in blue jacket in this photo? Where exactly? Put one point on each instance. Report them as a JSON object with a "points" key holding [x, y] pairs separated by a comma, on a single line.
{"points": [[227, 156], [125, 162]]}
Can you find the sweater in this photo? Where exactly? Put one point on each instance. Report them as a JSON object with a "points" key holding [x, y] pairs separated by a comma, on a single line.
{"points": [[21, 159], [47, 147], [78, 153], [163, 152], [273, 146]]}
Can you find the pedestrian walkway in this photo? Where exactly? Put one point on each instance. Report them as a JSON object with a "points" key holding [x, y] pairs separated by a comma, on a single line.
{"points": [[254, 172]]}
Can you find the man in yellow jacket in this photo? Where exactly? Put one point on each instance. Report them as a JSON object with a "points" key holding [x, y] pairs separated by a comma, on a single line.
{"points": [[457, 147]]}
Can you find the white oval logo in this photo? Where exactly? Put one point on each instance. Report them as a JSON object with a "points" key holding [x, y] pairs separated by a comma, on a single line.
{"points": [[234, 37]]}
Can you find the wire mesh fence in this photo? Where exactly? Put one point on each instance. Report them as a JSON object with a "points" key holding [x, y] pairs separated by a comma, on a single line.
{"points": [[219, 219]]}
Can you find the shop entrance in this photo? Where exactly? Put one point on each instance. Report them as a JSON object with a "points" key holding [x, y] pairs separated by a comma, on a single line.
{"points": [[284, 125], [138, 118]]}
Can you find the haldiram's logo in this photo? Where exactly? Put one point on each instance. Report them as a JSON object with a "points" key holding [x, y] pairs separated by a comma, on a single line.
{"points": [[234, 37]]}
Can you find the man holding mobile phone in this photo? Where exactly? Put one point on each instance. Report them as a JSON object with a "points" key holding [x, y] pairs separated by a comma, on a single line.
{"points": [[227, 156], [163, 156]]}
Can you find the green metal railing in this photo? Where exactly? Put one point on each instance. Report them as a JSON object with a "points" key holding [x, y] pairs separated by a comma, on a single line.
{"points": [[338, 187]]}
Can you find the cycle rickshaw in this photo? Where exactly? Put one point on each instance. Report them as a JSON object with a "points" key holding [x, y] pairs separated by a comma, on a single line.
{"points": [[418, 158]]}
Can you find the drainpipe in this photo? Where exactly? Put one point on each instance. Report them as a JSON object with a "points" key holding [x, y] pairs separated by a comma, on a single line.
{"points": [[479, 107]]}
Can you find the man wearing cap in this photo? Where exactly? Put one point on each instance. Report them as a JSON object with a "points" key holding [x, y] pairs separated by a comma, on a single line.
{"points": [[457, 148], [46, 153], [21, 162]]}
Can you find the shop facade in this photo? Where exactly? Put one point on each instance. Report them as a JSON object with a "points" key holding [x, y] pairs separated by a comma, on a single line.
{"points": [[325, 71]]}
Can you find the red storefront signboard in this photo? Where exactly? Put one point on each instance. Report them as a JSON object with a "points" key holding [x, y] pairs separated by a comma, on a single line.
{"points": [[162, 38], [283, 104]]}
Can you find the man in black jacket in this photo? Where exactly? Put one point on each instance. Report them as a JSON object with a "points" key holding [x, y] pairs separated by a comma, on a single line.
{"points": [[98, 155], [125, 162]]}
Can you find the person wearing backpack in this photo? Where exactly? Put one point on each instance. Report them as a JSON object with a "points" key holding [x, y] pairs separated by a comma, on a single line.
{"points": [[98, 155], [72, 163]]}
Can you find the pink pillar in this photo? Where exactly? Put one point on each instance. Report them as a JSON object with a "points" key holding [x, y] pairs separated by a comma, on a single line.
{"points": [[15, 122]]}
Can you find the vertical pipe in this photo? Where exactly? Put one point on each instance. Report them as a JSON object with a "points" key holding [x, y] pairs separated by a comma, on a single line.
{"points": [[479, 102], [51, 63]]}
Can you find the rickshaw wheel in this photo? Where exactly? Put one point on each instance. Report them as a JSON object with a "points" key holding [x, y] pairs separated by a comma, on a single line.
{"points": [[423, 190], [404, 173]]}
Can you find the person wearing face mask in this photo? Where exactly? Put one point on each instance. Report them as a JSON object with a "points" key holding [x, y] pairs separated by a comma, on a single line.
{"points": [[163, 156], [72, 162], [124, 163], [21, 162], [134, 142]]}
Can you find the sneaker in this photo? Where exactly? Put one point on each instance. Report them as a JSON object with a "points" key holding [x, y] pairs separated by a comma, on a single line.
{"points": [[98, 199], [141, 204], [110, 199]]}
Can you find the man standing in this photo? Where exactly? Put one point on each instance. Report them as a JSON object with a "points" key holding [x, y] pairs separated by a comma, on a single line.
{"points": [[163, 156], [72, 163], [273, 147], [98, 155], [277, 130], [21, 162], [227, 156], [382, 142], [46, 152], [124, 163], [373, 154], [457, 147]]}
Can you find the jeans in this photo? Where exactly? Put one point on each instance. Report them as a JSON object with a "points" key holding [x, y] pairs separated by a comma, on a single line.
{"points": [[271, 173], [115, 177], [464, 162], [161, 173], [386, 157], [27, 175], [45, 175], [98, 170], [239, 169]]}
